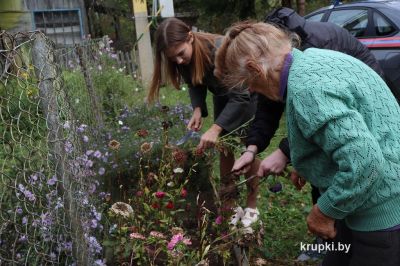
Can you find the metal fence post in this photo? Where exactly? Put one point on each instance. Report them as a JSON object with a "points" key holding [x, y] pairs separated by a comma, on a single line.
{"points": [[48, 75]]}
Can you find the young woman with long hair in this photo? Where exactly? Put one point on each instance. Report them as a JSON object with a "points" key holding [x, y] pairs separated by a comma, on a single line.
{"points": [[181, 54]]}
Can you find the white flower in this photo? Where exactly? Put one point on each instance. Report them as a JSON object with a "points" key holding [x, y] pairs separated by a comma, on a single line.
{"points": [[178, 170], [121, 208], [120, 122], [170, 184], [184, 88], [162, 97], [77, 100], [136, 89]]}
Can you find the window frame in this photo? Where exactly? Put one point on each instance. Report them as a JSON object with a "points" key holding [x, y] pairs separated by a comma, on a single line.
{"points": [[78, 10], [368, 29]]}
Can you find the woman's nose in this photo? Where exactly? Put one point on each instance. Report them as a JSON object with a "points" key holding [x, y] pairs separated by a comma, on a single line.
{"points": [[179, 60]]}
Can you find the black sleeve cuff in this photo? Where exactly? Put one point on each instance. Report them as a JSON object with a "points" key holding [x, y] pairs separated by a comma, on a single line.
{"points": [[284, 147]]}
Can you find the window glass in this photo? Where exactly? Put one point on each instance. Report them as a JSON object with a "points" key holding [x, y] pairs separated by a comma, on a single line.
{"points": [[355, 21], [382, 26], [316, 17], [63, 27]]}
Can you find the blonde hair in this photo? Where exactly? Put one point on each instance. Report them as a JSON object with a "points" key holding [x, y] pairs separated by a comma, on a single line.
{"points": [[260, 42], [172, 32]]}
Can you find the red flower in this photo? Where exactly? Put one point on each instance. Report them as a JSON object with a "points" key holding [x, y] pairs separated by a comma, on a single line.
{"points": [[142, 133], [160, 194], [184, 193], [179, 156], [139, 193], [155, 205], [170, 205]]}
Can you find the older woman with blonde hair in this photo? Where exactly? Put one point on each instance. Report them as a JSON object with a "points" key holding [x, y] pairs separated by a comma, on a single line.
{"points": [[343, 125]]}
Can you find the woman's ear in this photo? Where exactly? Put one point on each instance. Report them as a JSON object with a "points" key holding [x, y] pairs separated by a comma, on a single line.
{"points": [[254, 68], [190, 37]]}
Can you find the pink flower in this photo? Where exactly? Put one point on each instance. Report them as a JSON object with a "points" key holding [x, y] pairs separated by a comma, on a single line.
{"points": [[137, 236], [176, 239], [157, 234], [218, 220], [160, 194], [187, 241]]}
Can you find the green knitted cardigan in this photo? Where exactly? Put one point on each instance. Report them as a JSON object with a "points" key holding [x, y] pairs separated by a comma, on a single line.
{"points": [[344, 134]]}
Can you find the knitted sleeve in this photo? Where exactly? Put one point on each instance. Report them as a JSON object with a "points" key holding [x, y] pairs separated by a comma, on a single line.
{"points": [[328, 119]]}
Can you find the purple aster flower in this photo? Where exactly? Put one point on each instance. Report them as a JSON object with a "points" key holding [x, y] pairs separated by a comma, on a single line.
{"points": [[67, 125], [52, 181], [53, 256], [19, 210], [97, 154], [29, 195], [100, 262], [92, 188], [24, 220], [102, 171], [93, 223], [68, 246], [94, 244], [81, 128], [22, 239], [85, 139], [89, 152], [68, 147]]}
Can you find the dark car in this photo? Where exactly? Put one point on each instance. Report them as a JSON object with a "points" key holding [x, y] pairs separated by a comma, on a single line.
{"points": [[377, 25]]}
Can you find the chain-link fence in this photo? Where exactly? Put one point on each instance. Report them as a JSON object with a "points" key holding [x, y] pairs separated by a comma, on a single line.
{"points": [[47, 215]]}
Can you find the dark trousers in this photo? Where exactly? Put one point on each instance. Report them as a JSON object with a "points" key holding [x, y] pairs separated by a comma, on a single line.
{"points": [[367, 248]]}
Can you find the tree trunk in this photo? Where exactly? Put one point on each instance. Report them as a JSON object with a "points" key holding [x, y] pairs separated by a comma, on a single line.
{"points": [[301, 7], [287, 3]]}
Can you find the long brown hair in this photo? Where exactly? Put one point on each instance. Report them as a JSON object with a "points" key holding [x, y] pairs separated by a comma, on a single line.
{"points": [[171, 32]]}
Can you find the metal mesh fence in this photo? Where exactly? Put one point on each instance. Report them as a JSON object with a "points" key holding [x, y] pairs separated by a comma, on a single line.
{"points": [[47, 212]]}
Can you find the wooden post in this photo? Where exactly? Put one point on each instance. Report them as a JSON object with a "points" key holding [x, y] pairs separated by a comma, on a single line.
{"points": [[144, 42], [47, 73]]}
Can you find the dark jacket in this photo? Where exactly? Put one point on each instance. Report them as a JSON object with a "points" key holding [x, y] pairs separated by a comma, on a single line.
{"points": [[231, 108], [323, 35]]}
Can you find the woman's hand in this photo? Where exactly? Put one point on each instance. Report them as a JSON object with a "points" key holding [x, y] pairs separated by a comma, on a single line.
{"points": [[297, 180], [196, 121], [320, 224], [209, 138], [243, 164], [273, 164]]}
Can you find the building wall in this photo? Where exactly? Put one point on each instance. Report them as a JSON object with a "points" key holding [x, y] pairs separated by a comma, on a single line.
{"points": [[64, 21]]}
